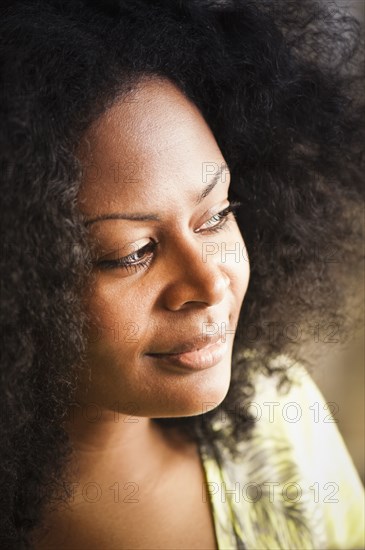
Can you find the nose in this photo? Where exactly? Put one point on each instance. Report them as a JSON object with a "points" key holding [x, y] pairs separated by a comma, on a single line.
{"points": [[192, 280]]}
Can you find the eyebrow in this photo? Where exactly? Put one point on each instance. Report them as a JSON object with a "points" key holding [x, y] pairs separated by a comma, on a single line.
{"points": [[154, 217]]}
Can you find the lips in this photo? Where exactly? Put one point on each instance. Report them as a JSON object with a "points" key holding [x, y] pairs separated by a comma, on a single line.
{"points": [[193, 344], [199, 353]]}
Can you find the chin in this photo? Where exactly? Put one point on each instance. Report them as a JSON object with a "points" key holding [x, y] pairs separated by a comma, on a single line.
{"points": [[206, 392]]}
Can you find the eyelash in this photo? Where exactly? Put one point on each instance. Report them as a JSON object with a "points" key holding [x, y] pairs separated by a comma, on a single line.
{"points": [[150, 247]]}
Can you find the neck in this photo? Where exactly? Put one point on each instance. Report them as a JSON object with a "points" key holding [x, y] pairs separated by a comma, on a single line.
{"points": [[109, 445]]}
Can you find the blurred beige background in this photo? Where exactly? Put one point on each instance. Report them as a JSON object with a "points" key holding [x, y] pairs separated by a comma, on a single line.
{"points": [[340, 377]]}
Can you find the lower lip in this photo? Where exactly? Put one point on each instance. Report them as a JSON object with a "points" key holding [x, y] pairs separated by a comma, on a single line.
{"points": [[201, 359]]}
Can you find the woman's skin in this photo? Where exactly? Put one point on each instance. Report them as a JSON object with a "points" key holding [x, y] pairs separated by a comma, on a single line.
{"points": [[161, 144]]}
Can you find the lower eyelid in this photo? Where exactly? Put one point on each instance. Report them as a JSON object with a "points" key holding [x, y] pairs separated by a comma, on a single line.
{"points": [[222, 225], [224, 218], [125, 264]]}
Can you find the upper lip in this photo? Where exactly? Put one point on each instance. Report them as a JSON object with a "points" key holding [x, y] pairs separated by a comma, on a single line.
{"points": [[193, 344]]}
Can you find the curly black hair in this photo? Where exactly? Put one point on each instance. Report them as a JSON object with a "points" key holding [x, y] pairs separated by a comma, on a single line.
{"points": [[280, 85]]}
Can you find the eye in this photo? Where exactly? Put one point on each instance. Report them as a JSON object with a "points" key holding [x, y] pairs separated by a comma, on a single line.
{"points": [[141, 258], [219, 220], [138, 259]]}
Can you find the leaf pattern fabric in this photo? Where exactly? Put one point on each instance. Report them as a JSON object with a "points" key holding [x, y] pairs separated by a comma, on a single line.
{"points": [[294, 485]]}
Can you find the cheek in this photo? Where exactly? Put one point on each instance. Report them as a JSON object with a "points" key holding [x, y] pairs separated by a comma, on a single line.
{"points": [[117, 320], [235, 257]]}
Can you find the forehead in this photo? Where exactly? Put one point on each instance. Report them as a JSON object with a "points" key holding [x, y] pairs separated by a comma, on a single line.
{"points": [[154, 141]]}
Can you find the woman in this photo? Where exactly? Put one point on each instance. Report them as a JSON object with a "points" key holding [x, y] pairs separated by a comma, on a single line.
{"points": [[173, 175]]}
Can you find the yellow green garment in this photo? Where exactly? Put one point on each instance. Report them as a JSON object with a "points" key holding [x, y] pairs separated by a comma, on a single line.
{"points": [[295, 485]]}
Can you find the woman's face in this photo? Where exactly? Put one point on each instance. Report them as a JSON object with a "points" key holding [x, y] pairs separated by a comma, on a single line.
{"points": [[150, 163]]}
